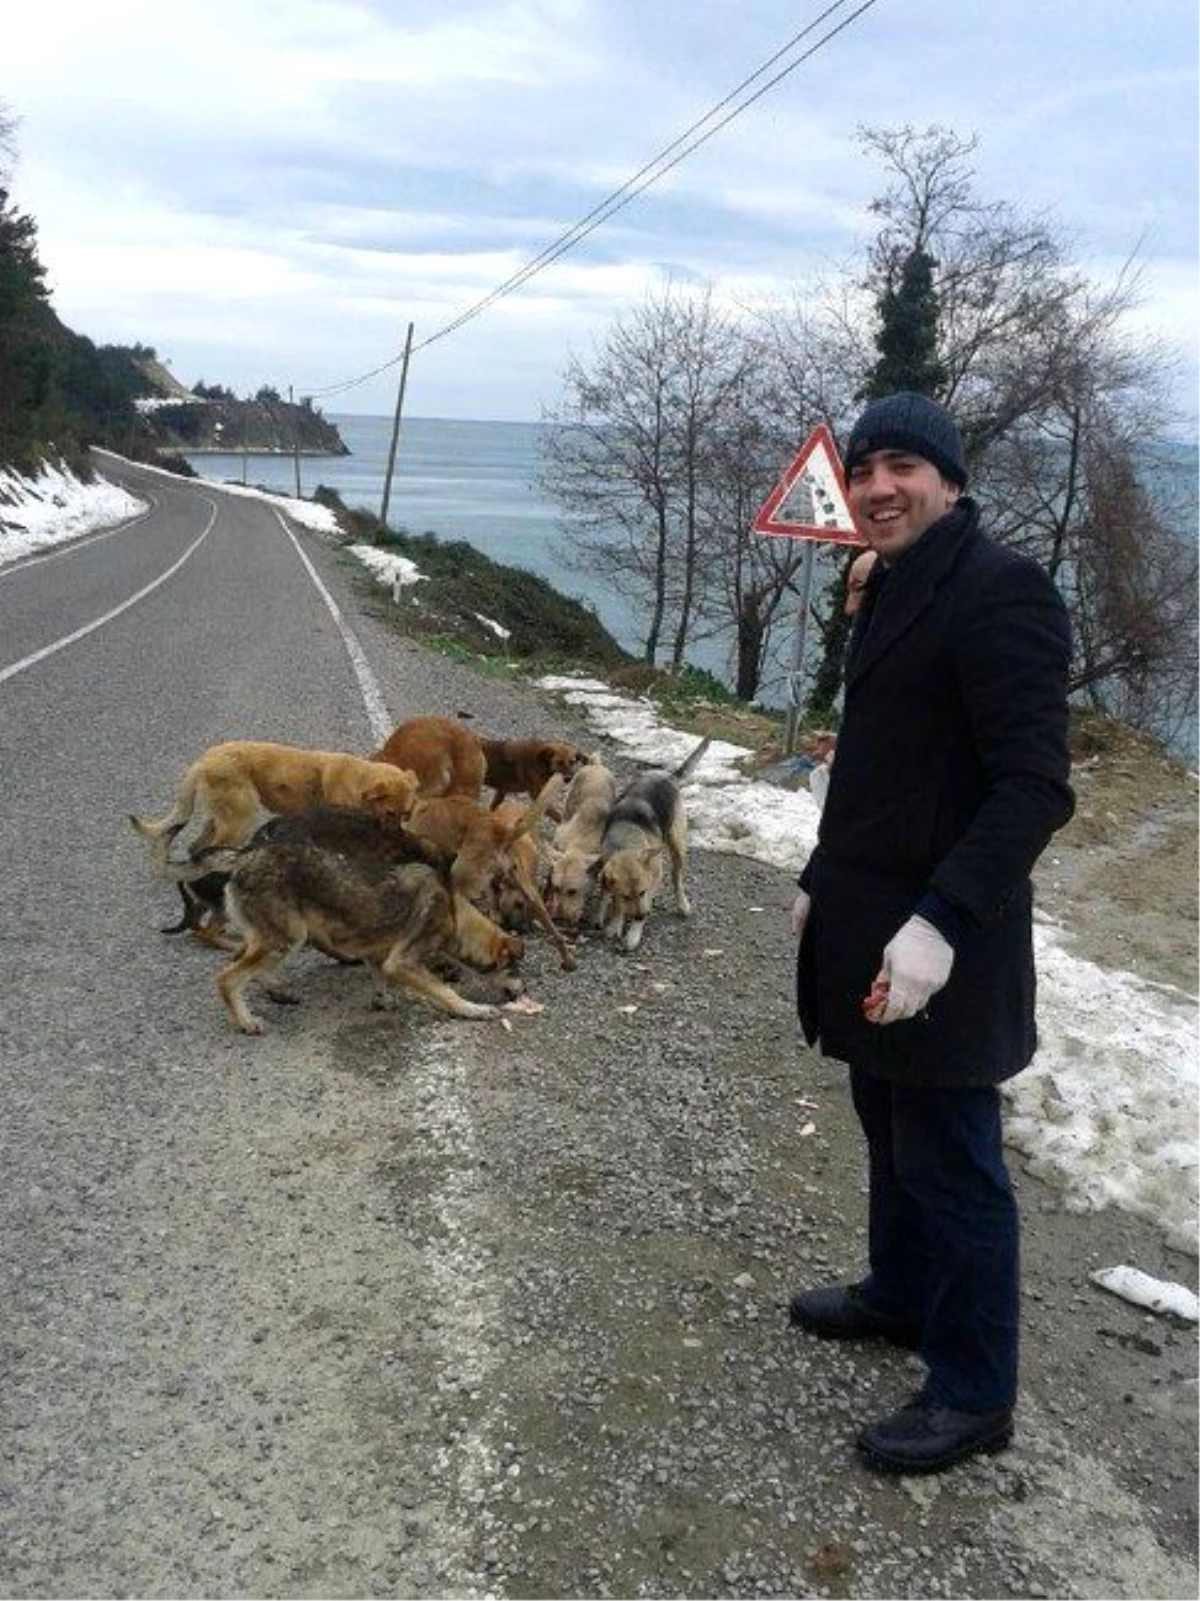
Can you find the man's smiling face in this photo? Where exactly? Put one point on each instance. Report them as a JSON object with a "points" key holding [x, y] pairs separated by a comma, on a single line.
{"points": [[894, 497]]}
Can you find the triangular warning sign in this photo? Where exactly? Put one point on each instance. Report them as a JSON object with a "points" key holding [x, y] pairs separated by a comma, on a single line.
{"points": [[808, 502]]}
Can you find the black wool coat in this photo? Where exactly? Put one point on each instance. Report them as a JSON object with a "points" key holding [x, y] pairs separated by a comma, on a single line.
{"points": [[951, 774]]}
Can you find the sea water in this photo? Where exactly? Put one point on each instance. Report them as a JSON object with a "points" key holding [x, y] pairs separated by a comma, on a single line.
{"points": [[475, 481]]}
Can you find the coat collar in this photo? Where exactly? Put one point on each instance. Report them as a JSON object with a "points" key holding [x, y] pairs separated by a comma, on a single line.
{"points": [[897, 595]]}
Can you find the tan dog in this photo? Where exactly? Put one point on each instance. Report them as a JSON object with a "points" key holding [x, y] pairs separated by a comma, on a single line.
{"points": [[233, 783], [647, 819], [575, 848], [517, 894], [525, 766], [482, 844], [445, 756], [395, 919]]}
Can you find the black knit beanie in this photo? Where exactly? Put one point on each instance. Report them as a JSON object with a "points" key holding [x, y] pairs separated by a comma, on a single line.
{"points": [[913, 423]]}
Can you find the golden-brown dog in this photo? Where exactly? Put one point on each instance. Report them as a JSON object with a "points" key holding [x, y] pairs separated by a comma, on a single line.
{"points": [[445, 756], [647, 819], [396, 919], [525, 766], [575, 849], [482, 845], [234, 782], [518, 897]]}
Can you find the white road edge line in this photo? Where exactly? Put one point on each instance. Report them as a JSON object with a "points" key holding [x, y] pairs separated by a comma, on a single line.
{"points": [[90, 628], [378, 715]]}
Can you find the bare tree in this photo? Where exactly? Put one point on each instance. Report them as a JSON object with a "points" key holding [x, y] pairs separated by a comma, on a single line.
{"points": [[608, 463], [8, 143], [631, 457], [751, 577]]}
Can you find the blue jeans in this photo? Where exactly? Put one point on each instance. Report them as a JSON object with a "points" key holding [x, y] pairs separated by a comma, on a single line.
{"points": [[944, 1235]]}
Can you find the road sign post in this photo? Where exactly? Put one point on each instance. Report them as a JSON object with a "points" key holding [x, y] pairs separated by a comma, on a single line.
{"points": [[807, 503]]}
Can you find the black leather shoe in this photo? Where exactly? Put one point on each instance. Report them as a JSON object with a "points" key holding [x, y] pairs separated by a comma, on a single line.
{"points": [[840, 1313], [924, 1437]]}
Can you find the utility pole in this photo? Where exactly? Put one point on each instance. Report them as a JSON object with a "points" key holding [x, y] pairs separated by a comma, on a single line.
{"points": [[391, 466], [295, 442]]}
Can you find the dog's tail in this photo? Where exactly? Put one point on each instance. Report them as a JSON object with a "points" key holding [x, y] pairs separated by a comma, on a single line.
{"points": [[692, 761], [159, 833]]}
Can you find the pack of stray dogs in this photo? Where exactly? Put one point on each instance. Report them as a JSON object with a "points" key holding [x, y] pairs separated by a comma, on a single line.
{"points": [[396, 861]]}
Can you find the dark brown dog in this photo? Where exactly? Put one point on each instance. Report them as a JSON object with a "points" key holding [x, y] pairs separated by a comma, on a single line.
{"points": [[396, 919], [365, 836], [526, 766], [203, 910]]}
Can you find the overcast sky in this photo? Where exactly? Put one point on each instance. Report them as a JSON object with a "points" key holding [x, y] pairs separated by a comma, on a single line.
{"points": [[268, 192]]}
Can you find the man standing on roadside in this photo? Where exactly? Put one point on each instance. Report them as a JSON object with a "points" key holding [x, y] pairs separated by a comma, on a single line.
{"points": [[914, 921]]}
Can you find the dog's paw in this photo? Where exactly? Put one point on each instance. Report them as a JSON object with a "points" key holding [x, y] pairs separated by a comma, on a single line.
{"points": [[251, 1024], [478, 1011]]}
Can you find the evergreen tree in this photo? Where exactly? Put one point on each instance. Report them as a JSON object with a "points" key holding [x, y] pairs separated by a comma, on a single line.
{"points": [[26, 361], [907, 335]]}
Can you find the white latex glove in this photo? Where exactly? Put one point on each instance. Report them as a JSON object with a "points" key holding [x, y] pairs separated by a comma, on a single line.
{"points": [[800, 910], [916, 964]]}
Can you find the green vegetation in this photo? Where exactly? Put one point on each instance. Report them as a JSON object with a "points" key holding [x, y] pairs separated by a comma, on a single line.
{"points": [[547, 631], [58, 391], [464, 591]]}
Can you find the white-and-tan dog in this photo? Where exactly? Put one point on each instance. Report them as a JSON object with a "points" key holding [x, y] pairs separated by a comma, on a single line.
{"points": [[574, 851], [647, 819]]}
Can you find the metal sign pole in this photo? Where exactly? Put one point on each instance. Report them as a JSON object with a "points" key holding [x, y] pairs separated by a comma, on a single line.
{"points": [[795, 677]]}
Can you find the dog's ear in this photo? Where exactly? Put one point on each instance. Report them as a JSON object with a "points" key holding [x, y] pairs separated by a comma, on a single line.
{"points": [[651, 854], [393, 800]]}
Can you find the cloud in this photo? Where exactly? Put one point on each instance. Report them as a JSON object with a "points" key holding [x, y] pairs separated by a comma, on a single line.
{"points": [[270, 192]]}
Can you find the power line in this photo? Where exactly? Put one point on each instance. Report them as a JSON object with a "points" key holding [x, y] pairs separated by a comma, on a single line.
{"points": [[637, 184], [622, 196]]}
